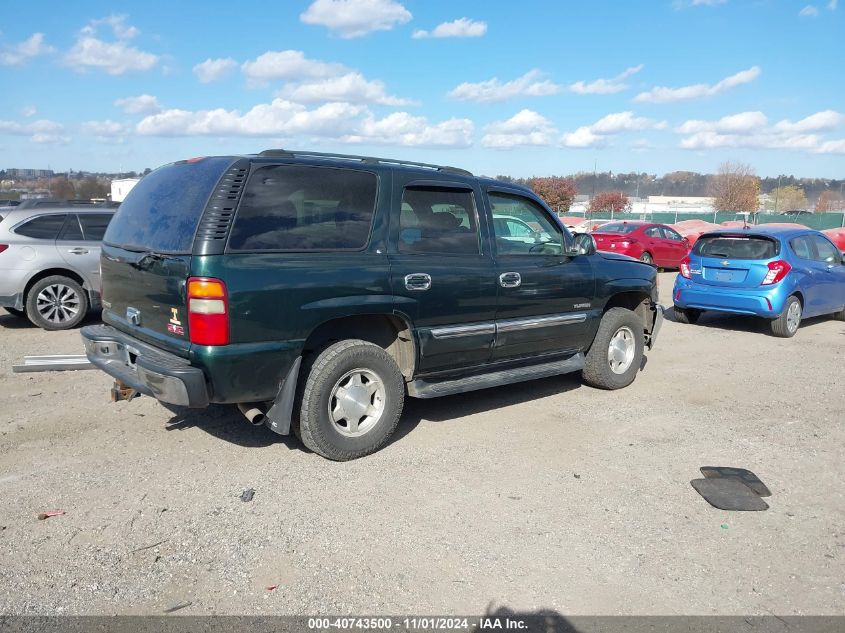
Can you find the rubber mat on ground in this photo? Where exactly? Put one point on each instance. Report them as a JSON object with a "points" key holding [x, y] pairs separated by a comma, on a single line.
{"points": [[729, 493], [745, 476]]}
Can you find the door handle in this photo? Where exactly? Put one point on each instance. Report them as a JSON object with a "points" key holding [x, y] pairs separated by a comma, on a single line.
{"points": [[418, 281], [78, 251], [510, 280]]}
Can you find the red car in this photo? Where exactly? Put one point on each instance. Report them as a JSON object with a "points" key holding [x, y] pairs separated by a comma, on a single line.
{"points": [[651, 243]]}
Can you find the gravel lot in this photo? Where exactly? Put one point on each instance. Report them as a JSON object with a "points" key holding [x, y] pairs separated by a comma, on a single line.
{"points": [[544, 495]]}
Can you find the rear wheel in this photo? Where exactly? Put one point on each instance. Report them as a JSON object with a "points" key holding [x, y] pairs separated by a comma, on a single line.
{"points": [[646, 258], [686, 315], [56, 303], [786, 325], [351, 400], [16, 313], [617, 351]]}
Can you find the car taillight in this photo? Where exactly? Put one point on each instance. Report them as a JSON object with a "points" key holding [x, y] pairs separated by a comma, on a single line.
{"points": [[621, 244], [684, 268], [777, 271], [208, 311], [3, 247]]}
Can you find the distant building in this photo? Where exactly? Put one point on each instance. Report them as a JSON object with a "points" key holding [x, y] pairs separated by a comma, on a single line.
{"points": [[29, 174], [121, 187], [681, 201]]}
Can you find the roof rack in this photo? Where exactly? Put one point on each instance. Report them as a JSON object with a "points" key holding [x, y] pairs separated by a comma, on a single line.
{"points": [[372, 160]]}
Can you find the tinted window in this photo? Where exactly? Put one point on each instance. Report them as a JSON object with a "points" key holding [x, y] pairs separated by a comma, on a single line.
{"points": [[45, 227], [736, 247], [71, 230], [801, 247], [438, 221], [522, 227], [94, 225], [671, 234], [825, 251], [295, 208], [653, 231], [161, 213], [617, 227]]}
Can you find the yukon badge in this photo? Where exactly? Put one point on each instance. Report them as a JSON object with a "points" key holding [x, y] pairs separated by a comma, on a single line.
{"points": [[133, 315]]}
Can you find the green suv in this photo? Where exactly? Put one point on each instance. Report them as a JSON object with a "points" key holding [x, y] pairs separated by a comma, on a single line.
{"points": [[316, 291]]}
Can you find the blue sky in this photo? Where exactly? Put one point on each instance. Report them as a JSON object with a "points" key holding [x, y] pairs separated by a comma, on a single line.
{"points": [[521, 88]]}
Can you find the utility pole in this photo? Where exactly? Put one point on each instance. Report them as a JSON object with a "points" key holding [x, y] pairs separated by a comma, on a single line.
{"points": [[777, 192]]}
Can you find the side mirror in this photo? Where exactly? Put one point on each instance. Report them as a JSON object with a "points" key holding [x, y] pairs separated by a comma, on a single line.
{"points": [[583, 244]]}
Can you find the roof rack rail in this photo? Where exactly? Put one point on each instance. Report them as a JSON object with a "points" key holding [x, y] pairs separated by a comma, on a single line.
{"points": [[364, 159]]}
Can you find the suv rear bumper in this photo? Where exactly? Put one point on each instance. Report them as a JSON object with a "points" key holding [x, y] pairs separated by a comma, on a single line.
{"points": [[148, 370], [765, 302]]}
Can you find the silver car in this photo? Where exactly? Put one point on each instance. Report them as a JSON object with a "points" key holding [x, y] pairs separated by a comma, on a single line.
{"points": [[49, 263]]}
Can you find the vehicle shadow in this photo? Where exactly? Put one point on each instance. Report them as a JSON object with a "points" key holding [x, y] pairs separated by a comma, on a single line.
{"points": [[449, 408], [739, 323], [540, 621], [227, 423]]}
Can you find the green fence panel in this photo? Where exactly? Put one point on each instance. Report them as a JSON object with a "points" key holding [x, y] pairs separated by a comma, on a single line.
{"points": [[818, 221]]}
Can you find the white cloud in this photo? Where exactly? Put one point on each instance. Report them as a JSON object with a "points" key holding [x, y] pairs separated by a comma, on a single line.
{"points": [[605, 86], [287, 65], [833, 4], [351, 88], [526, 127], [214, 69], [462, 27], [21, 52], [741, 123], [355, 18], [29, 111], [598, 133], [41, 131], [401, 128], [107, 131], [114, 58], [142, 104], [662, 94], [530, 84], [751, 130], [832, 147], [818, 122], [342, 122], [810, 11]]}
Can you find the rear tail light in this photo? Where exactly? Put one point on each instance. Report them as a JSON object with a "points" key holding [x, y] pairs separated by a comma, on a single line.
{"points": [[684, 269], [3, 247], [622, 243], [208, 311], [777, 271]]}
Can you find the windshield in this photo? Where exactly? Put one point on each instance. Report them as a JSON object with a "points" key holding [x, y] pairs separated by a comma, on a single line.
{"points": [[617, 227], [736, 247], [161, 213]]}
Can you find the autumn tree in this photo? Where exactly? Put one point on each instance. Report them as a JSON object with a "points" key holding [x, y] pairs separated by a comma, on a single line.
{"points": [[788, 198], [828, 201], [61, 187], [610, 201], [557, 192], [735, 188], [90, 187]]}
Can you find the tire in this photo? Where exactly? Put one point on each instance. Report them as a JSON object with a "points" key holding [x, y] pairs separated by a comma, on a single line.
{"points": [[21, 314], [598, 369], [686, 315], [357, 364], [646, 258], [786, 325], [56, 303]]}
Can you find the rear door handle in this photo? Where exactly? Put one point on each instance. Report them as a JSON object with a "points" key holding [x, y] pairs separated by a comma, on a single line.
{"points": [[78, 251], [418, 281], [510, 280]]}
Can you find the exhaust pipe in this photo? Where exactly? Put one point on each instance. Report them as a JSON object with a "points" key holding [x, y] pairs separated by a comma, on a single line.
{"points": [[253, 414]]}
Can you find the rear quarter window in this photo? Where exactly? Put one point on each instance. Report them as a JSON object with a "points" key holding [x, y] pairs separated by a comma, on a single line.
{"points": [[736, 247], [162, 212], [43, 227], [298, 208]]}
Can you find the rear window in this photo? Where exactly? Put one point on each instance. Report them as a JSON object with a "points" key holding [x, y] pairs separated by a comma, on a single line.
{"points": [[617, 228], [296, 208], [161, 213], [736, 247], [44, 227]]}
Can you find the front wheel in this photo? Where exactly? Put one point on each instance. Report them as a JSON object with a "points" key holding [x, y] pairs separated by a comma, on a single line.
{"points": [[351, 400], [617, 351], [786, 325]]}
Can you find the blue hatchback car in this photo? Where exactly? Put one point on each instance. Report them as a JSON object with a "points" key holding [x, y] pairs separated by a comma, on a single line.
{"points": [[780, 273]]}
